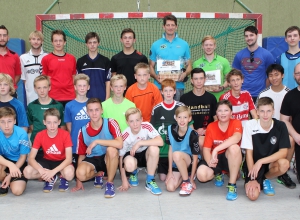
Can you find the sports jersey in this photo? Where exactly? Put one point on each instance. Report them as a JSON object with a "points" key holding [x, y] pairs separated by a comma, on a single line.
{"points": [[277, 98], [75, 112], [265, 143], [161, 118], [288, 62], [61, 70], [35, 115], [203, 108], [54, 148], [254, 72], [215, 136], [31, 67], [15, 145], [110, 129], [241, 106], [218, 63], [18, 107], [10, 64], [117, 111], [178, 49], [122, 63], [98, 70], [145, 99], [129, 139]]}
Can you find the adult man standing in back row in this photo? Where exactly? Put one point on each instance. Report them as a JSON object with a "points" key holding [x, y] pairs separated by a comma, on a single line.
{"points": [[171, 48], [253, 62]]}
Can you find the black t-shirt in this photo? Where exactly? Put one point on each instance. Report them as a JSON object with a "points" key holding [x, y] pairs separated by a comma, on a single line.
{"points": [[203, 108], [124, 64], [291, 107]]}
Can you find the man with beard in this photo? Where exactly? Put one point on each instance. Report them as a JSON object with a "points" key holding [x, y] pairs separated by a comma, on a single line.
{"points": [[9, 60], [31, 64], [253, 62]]}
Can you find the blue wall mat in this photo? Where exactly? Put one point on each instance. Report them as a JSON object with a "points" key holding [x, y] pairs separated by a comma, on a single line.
{"points": [[18, 45]]}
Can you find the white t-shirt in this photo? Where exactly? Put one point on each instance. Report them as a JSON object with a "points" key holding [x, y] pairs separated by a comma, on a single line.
{"points": [[129, 139]]}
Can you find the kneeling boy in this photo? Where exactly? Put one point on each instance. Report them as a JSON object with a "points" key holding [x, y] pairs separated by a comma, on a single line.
{"points": [[266, 142], [57, 148], [140, 149]]}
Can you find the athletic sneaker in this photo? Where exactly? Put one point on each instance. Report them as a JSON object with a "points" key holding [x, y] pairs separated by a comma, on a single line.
{"points": [[133, 179], [268, 188], [286, 180], [98, 183], [109, 190], [3, 191], [49, 185], [231, 194], [63, 185], [186, 189], [219, 180], [152, 187]]}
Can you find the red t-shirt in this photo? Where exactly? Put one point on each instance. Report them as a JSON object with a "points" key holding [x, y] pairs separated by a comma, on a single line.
{"points": [[54, 148], [10, 64], [61, 70], [113, 127], [214, 136]]}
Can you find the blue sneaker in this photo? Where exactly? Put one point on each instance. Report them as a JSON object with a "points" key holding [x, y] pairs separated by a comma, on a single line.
{"points": [[152, 187], [231, 194], [109, 190], [98, 183], [48, 187], [64, 185], [268, 188], [133, 179], [219, 180]]}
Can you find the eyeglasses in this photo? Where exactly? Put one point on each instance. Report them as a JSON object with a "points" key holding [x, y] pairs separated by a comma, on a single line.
{"points": [[251, 57]]}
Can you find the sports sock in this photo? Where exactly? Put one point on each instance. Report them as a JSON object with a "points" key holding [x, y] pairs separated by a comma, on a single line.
{"points": [[149, 178], [186, 181], [231, 184]]}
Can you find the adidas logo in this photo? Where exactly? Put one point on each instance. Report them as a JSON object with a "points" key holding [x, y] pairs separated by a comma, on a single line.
{"points": [[84, 64], [53, 150], [162, 118], [82, 115], [239, 103], [28, 61]]}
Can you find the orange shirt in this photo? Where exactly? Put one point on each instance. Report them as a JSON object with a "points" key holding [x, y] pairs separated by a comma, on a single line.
{"points": [[215, 136], [145, 99]]}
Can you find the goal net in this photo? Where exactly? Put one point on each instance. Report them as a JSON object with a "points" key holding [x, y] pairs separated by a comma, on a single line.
{"points": [[227, 28]]}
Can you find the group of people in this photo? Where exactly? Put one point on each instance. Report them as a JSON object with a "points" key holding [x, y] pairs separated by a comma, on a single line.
{"points": [[89, 118]]}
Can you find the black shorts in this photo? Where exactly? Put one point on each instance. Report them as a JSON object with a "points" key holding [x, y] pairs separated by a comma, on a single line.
{"points": [[175, 169], [163, 165], [260, 176], [75, 159], [98, 162], [49, 164], [140, 157], [21, 169], [222, 166]]}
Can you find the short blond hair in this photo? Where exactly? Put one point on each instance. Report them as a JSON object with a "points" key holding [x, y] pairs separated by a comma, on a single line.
{"points": [[41, 78], [6, 112], [37, 34], [181, 109], [7, 78], [81, 76], [132, 111], [118, 77], [51, 112], [141, 66], [209, 37]]}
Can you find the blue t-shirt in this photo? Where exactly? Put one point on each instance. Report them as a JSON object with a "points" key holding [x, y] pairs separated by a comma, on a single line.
{"points": [[254, 72], [15, 145], [75, 112], [18, 107], [178, 49]]}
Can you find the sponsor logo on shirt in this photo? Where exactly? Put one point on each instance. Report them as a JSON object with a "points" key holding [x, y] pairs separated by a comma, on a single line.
{"points": [[53, 150], [82, 115], [61, 60], [33, 71], [163, 46]]}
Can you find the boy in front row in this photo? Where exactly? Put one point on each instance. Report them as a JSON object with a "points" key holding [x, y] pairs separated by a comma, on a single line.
{"points": [[140, 149], [266, 142], [14, 147], [183, 153], [57, 148]]}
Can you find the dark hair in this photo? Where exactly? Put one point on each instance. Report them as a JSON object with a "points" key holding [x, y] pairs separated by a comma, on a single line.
{"points": [[92, 35], [169, 18], [251, 29], [234, 72], [224, 102], [292, 28], [127, 30], [4, 28], [93, 100], [198, 70], [273, 67], [58, 32], [265, 101]]}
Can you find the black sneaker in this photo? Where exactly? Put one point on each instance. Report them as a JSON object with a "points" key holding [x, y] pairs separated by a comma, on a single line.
{"points": [[3, 191], [286, 180]]}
